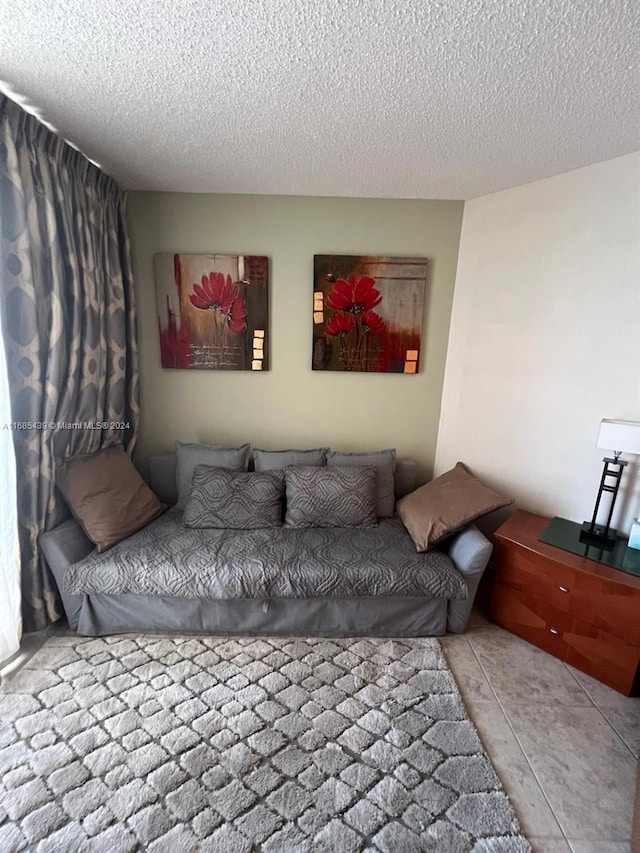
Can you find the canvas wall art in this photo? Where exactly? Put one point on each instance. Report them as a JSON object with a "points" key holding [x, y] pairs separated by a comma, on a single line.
{"points": [[213, 311], [367, 313]]}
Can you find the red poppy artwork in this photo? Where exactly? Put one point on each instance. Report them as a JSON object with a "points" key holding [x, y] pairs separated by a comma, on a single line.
{"points": [[368, 313], [213, 311]]}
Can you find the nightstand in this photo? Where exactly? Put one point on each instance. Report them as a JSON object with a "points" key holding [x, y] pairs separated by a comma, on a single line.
{"points": [[577, 609]]}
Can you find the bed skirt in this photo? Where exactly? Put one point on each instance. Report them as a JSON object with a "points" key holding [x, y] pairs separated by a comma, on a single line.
{"points": [[316, 617]]}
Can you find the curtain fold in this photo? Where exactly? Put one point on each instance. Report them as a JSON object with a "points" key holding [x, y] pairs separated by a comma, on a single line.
{"points": [[10, 620], [69, 326]]}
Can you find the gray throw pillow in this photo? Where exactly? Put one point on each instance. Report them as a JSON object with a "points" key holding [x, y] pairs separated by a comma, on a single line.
{"points": [[190, 455], [234, 500], [331, 497], [278, 460], [384, 462]]}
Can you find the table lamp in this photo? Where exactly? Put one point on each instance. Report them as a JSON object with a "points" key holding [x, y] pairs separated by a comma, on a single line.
{"points": [[621, 437]]}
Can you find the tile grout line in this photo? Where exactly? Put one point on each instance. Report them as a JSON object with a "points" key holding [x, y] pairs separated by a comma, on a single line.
{"points": [[563, 837], [602, 713], [595, 705], [522, 749], [591, 700]]}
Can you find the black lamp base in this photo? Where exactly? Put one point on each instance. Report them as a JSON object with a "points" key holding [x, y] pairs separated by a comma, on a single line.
{"points": [[598, 534], [602, 534]]}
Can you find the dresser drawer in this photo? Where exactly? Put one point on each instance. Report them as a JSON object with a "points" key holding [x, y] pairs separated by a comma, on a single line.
{"points": [[601, 655], [613, 607], [534, 575], [530, 618], [607, 605], [585, 646]]}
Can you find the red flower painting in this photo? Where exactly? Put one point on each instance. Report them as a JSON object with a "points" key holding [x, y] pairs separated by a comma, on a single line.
{"points": [[356, 294], [213, 311], [339, 324], [368, 313], [354, 320], [219, 293], [236, 316], [372, 322]]}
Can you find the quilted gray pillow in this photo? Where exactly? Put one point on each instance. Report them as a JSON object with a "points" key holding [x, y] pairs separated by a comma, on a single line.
{"points": [[190, 455], [234, 500], [331, 497]]}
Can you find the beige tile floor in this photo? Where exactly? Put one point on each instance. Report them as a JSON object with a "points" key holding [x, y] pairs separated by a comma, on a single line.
{"points": [[565, 746]]}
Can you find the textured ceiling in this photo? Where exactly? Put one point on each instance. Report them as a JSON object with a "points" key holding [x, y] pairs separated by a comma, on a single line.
{"points": [[386, 98]]}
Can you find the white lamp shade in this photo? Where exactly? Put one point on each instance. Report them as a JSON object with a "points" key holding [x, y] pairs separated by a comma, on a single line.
{"points": [[623, 436]]}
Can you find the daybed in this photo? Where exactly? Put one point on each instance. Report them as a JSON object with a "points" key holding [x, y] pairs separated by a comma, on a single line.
{"points": [[294, 582]]}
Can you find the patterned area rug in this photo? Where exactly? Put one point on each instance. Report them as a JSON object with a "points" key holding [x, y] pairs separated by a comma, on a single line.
{"points": [[233, 745]]}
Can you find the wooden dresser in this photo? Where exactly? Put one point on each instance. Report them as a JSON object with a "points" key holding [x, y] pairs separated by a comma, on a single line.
{"points": [[579, 610]]}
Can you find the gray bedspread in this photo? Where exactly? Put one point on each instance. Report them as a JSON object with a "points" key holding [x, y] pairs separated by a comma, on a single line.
{"points": [[166, 558]]}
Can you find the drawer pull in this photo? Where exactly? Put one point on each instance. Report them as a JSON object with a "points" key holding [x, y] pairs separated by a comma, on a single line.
{"points": [[563, 589], [554, 630]]}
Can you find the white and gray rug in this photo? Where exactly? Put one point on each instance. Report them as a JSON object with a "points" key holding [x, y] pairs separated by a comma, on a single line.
{"points": [[232, 745]]}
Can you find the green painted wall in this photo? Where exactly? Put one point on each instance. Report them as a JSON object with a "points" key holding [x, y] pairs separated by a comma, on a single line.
{"points": [[291, 405]]}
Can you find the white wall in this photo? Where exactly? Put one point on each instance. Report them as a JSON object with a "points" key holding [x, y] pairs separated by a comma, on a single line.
{"points": [[545, 337], [291, 405]]}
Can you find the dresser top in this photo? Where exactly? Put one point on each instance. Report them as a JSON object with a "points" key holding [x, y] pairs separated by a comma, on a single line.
{"points": [[523, 529]]}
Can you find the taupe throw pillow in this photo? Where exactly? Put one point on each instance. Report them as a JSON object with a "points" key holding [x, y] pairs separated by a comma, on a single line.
{"points": [[445, 505], [107, 495], [384, 461], [331, 497], [234, 500]]}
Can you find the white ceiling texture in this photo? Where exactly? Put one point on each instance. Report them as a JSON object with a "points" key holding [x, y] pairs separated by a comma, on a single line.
{"points": [[374, 98]]}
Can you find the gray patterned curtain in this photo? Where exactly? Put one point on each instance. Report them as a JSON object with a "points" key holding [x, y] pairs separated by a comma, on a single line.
{"points": [[68, 323]]}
